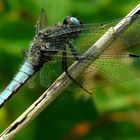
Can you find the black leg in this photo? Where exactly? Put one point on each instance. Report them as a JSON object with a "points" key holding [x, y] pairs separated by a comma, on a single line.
{"points": [[64, 60], [76, 55], [64, 68]]}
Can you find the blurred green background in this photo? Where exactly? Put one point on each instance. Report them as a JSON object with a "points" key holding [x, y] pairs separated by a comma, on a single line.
{"points": [[113, 113]]}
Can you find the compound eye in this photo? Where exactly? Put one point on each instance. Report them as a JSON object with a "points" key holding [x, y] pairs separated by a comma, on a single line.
{"points": [[72, 21], [75, 21]]}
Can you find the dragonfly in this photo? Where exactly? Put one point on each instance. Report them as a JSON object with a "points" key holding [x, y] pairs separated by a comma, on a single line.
{"points": [[66, 43]]}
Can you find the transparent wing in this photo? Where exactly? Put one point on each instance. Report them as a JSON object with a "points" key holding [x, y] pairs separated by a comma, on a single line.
{"points": [[105, 71], [90, 35], [118, 63], [108, 71]]}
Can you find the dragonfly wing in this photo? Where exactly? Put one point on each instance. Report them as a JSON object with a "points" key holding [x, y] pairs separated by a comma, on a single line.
{"points": [[42, 21], [107, 71], [118, 63]]}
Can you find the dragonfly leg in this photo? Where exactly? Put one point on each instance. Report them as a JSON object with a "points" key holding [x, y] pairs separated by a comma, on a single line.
{"points": [[64, 68], [76, 55]]}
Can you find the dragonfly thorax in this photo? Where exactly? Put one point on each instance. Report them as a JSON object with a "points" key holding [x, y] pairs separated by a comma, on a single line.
{"points": [[48, 42]]}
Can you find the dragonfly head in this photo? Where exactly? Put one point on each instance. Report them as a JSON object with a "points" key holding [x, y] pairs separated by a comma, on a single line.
{"points": [[72, 21]]}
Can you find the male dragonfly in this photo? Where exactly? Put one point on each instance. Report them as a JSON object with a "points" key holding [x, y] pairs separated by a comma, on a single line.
{"points": [[69, 41]]}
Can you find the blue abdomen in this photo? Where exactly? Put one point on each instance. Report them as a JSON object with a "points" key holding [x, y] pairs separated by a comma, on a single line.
{"points": [[25, 72]]}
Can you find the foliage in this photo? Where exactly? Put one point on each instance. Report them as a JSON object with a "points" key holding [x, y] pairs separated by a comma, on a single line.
{"points": [[112, 113]]}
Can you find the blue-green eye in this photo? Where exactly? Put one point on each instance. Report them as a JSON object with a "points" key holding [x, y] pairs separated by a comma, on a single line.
{"points": [[75, 21], [72, 21]]}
